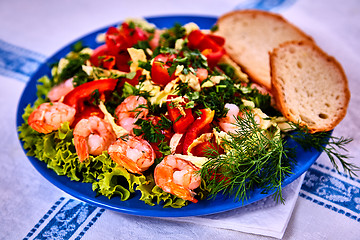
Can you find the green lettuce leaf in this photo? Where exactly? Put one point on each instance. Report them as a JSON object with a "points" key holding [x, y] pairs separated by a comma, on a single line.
{"points": [[57, 150]]}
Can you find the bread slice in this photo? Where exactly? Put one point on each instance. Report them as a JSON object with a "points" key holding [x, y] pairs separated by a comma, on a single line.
{"points": [[250, 36], [309, 86]]}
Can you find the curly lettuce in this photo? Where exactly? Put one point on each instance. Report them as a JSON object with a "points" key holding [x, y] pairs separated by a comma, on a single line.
{"points": [[57, 150]]}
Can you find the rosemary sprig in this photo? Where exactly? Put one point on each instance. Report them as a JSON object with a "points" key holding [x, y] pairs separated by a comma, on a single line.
{"points": [[256, 158], [334, 147]]}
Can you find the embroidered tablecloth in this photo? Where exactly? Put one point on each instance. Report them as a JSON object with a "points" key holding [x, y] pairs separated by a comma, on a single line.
{"points": [[323, 204]]}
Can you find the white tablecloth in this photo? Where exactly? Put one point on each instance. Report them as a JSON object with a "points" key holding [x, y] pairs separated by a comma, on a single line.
{"points": [[325, 205]]}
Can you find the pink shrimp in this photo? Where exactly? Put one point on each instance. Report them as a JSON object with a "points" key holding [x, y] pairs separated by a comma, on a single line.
{"points": [[48, 117], [133, 153], [130, 110], [92, 135], [177, 176], [228, 123], [59, 91]]}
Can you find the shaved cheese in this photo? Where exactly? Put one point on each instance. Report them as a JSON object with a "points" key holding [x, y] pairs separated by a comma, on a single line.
{"points": [[179, 44], [62, 64], [99, 73], [87, 51], [142, 23], [213, 81], [191, 80], [178, 70], [119, 131], [191, 26], [136, 55], [197, 161], [203, 138], [248, 103], [160, 96], [177, 103], [219, 136]]}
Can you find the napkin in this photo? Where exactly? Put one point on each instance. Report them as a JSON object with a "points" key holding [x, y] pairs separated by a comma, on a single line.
{"points": [[265, 217]]}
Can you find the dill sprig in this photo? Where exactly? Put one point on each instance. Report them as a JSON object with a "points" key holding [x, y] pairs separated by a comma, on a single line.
{"points": [[254, 158], [334, 147]]}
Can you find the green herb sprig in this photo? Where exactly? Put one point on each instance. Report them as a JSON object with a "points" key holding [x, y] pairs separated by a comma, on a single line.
{"points": [[334, 147], [257, 159]]}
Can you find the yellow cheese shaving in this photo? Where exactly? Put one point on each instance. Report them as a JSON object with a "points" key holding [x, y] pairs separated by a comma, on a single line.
{"points": [[119, 131], [160, 96], [213, 81], [99, 73], [203, 138], [197, 161], [136, 55], [176, 102], [189, 27], [191, 80]]}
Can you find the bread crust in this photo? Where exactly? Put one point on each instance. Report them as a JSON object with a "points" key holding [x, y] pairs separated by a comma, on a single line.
{"points": [[280, 94], [261, 77]]}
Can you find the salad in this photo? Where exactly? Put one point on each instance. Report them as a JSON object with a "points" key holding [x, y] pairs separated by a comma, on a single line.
{"points": [[164, 112]]}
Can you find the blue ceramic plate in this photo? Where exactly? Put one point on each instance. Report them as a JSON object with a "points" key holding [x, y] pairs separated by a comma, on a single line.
{"points": [[134, 206]]}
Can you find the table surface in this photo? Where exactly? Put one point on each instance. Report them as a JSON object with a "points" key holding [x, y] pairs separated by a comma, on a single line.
{"points": [[328, 206]]}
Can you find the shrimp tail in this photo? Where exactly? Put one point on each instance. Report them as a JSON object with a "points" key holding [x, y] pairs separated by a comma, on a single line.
{"points": [[82, 148], [40, 126], [183, 193], [124, 161], [180, 191]]}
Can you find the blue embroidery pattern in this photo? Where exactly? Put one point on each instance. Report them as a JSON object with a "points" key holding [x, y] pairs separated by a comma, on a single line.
{"points": [[334, 171], [42, 220], [264, 4], [66, 221], [332, 189], [93, 220], [17, 62], [328, 206]]}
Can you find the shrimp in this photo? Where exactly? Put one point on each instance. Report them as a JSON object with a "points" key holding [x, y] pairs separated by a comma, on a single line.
{"points": [[228, 123], [130, 110], [59, 91], [48, 117], [177, 176], [133, 153], [92, 135]]}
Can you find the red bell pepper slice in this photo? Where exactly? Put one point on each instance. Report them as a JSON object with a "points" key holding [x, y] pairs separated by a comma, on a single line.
{"points": [[194, 38], [78, 95], [117, 41], [197, 127], [97, 53], [159, 69], [121, 39], [219, 40], [107, 61], [102, 52], [202, 149], [180, 121], [210, 45]]}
